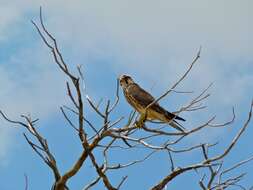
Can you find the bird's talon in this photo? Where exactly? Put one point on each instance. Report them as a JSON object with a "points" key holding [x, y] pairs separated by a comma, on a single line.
{"points": [[139, 124]]}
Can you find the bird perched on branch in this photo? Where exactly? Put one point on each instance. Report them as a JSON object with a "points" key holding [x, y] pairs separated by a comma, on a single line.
{"points": [[141, 99]]}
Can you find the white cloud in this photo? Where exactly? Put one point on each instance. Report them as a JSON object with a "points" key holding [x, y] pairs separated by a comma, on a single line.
{"points": [[151, 39], [29, 85]]}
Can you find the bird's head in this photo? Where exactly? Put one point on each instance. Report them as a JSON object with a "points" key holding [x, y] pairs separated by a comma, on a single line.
{"points": [[125, 80]]}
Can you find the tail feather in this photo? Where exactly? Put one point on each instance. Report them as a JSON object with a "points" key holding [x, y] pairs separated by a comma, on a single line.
{"points": [[177, 126], [173, 116], [171, 119], [179, 118]]}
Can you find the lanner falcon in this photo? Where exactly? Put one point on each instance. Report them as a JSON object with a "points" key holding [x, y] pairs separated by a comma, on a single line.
{"points": [[140, 99]]}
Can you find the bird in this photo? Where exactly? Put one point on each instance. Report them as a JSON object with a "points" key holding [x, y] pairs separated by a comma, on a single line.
{"points": [[139, 99]]}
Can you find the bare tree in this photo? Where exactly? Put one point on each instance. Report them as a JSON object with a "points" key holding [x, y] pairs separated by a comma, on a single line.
{"points": [[135, 133]]}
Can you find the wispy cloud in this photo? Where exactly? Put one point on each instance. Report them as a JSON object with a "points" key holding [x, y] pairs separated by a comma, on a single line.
{"points": [[29, 85]]}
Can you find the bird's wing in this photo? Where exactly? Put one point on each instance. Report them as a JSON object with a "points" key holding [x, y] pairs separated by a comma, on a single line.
{"points": [[143, 98], [137, 94]]}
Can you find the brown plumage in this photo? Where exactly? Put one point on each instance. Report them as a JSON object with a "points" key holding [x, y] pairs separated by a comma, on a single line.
{"points": [[140, 99]]}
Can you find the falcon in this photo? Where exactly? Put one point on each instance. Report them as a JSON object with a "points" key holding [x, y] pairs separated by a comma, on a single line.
{"points": [[139, 99]]}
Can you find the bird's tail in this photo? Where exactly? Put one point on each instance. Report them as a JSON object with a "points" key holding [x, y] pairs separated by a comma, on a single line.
{"points": [[176, 125], [171, 119]]}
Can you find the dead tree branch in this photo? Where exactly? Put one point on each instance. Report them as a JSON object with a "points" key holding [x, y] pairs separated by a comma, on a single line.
{"points": [[107, 133]]}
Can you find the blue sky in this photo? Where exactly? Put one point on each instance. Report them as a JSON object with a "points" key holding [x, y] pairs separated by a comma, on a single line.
{"points": [[154, 41]]}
